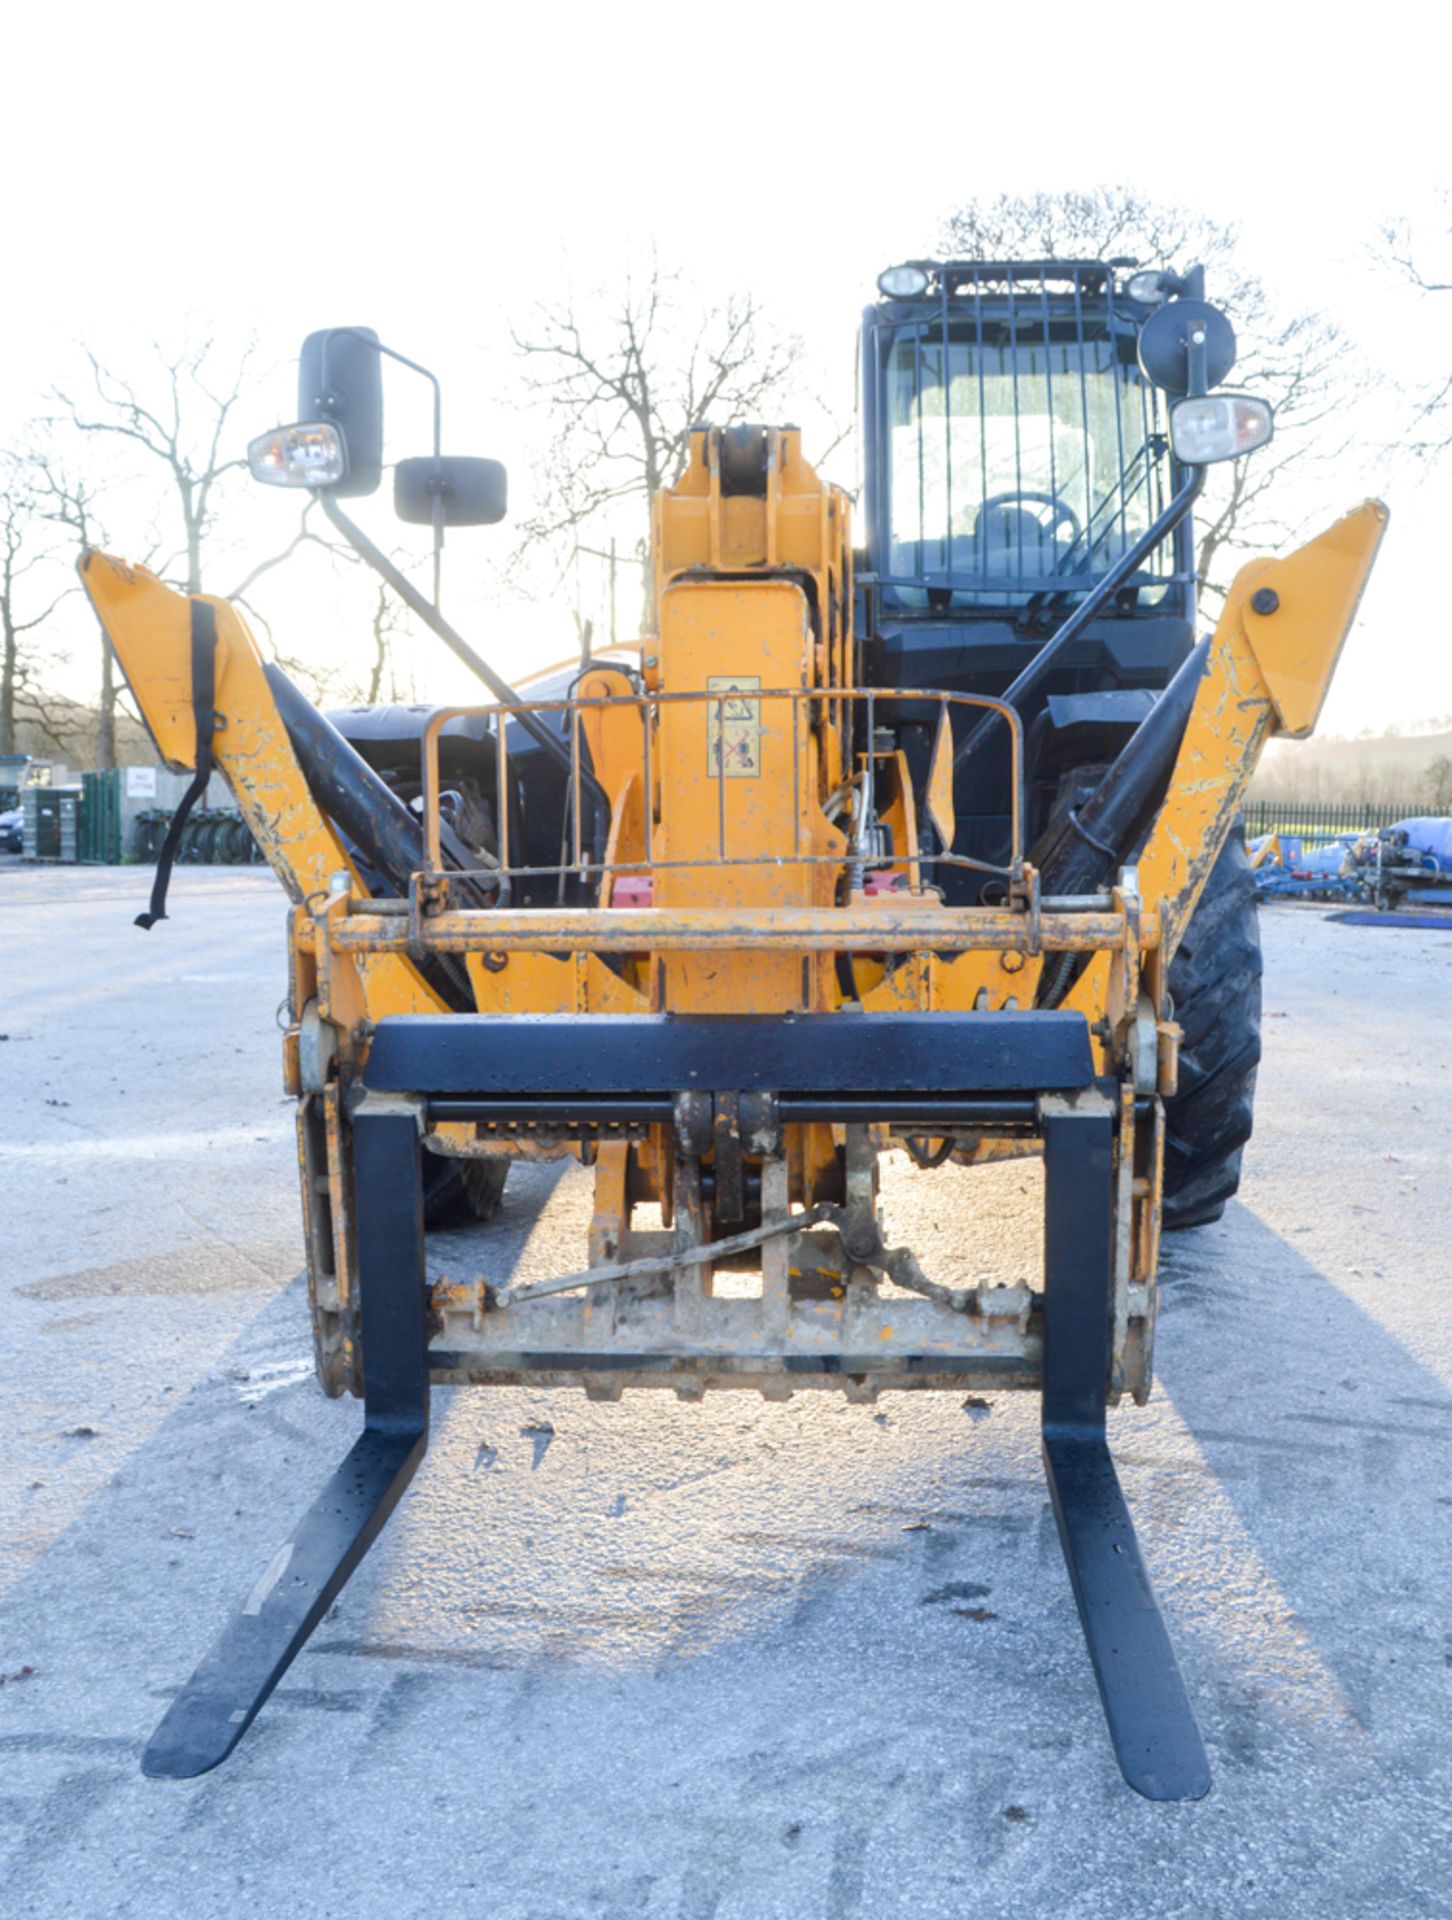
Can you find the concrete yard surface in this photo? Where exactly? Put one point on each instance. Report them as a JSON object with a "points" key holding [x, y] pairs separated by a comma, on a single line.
{"points": [[717, 1662]]}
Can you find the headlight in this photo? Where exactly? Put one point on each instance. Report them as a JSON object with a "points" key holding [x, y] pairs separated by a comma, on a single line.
{"points": [[903, 283], [1218, 426], [1147, 287], [310, 454]]}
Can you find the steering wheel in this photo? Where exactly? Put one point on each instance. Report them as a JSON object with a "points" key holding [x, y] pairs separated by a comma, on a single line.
{"points": [[1061, 513]]}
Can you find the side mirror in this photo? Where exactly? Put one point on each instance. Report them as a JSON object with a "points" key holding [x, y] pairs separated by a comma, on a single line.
{"points": [[340, 378], [1186, 346], [472, 492]]}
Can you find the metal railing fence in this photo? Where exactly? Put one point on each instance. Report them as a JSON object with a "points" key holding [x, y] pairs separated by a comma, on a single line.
{"points": [[1316, 822]]}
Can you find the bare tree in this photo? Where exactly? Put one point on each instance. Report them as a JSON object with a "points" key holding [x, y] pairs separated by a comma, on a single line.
{"points": [[306, 536], [1438, 778], [388, 620], [1414, 254], [26, 553], [70, 500], [625, 377], [180, 421], [390, 617], [1294, 360], [51, 722], [185, 432], [1424, 259]]}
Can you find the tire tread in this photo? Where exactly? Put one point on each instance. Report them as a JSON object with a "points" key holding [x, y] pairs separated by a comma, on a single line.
{"points": [[1215, 983]]}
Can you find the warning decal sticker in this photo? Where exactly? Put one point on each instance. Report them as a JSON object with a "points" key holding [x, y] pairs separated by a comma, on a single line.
{"points": [[733, 726]]}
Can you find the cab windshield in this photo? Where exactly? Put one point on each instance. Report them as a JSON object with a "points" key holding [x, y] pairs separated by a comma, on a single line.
{"points": [[1018, 468]]}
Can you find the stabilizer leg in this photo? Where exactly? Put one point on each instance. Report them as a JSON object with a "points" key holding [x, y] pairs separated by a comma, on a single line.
{"points": [[221, 1700], [1151, 1723]]}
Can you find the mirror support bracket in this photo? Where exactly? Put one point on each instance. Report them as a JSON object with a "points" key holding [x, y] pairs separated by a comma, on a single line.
{"points": [[434, 620]]}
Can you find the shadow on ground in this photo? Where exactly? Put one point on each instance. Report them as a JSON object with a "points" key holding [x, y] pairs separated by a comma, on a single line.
{"points": [[743, 1659]]}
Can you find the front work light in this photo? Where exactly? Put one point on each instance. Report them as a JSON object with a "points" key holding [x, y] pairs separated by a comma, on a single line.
{"points": [[310, 454], [1218, 426], [902, 283]]}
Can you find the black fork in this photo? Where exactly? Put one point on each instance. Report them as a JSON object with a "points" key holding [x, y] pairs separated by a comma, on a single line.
{"points": [[222, 1698], [1151, 1722]]}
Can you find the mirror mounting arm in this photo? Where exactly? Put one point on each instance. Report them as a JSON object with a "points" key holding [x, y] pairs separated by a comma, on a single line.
{"points": [[414, 366], [1197, 363], [436, 623]]}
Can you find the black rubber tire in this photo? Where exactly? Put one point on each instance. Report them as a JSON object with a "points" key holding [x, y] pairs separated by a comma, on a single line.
{"points": [[1215, 986], [233, 843], [459, 1192]]}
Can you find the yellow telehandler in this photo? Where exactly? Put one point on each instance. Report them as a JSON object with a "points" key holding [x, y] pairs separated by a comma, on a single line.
{"points": [[927, 847]]}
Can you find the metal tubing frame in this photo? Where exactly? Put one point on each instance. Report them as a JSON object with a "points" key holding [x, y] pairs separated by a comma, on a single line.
{"points": [[809, 709], [222, 1698], [1151, 1722], [634, 930], [432, 618]]}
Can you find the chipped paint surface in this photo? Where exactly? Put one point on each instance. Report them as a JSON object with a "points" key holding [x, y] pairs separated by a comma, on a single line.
{"points": [[1265, 675]]}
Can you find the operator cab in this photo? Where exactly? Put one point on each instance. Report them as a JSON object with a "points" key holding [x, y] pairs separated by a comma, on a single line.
{"points": [[1018, 450], [1015, 449]]}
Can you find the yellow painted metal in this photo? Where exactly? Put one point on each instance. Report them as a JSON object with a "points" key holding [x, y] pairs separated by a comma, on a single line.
{"points": [[625, 845], [612, 1201], [1297, 642], [797, 525], [526, 982], [614, 731], [896, 808], [753, 780], [1267, 673], [1007, 976], [739, 780], [149, 625], [940, 782]]}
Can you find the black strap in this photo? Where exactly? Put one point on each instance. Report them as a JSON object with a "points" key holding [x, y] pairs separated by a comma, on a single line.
{"points": [[204, 693]]}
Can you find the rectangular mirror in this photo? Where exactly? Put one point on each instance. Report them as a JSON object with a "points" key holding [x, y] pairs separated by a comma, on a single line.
{"points": [[475, 492], [340, 378]]}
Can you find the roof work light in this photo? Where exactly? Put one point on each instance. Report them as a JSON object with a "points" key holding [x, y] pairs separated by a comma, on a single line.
{"points": [[902, 283]]}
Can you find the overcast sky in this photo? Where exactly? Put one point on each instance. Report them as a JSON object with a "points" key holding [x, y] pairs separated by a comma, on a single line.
{"points": [[431, 171]]}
